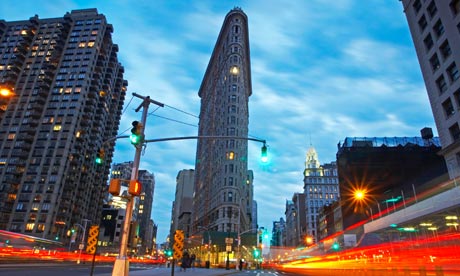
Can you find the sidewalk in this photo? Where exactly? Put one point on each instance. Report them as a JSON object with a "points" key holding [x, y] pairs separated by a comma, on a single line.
{"points": [[162, 271]]}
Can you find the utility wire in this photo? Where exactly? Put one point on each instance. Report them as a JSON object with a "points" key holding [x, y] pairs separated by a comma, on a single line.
{"points": [[185, 112], [177, 121], [127, 105]]}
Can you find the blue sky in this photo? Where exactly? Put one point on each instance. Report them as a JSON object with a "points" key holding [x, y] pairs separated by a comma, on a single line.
{"points": [[321, 71]]}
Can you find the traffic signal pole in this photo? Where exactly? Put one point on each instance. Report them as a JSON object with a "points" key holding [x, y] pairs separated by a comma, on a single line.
{"points": [[121, 266]]}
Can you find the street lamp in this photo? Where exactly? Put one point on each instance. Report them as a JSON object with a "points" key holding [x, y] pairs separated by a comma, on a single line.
{"points": [[361, 195], [82, 240]]}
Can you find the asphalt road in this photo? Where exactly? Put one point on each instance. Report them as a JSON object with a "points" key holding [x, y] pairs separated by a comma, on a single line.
{"points": [[106, 270]]}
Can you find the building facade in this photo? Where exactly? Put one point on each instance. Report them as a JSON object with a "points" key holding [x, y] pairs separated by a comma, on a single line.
{"points": [[141, 241], [69, 93], [434, 26], [388, 170], [295, 221], [278, 233], [321, 188], [182, 205], [145, 211], [223, 200]]}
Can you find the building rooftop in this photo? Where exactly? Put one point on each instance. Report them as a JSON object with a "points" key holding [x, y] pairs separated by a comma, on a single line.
{"points": [[350, 142]]}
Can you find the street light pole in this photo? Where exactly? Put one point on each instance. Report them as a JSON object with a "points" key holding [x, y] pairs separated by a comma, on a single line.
{"points": [[121, 266], [82, 242]]}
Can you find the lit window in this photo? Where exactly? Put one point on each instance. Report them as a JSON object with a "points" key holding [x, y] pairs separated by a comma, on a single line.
{"points": [[230, 155], [57, 127], [234, 70], [30, 226]]}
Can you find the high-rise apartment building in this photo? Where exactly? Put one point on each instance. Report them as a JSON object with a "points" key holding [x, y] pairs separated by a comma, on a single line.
{"points": [[321, 188], [223, 187], [435, 30], [69, 93]]}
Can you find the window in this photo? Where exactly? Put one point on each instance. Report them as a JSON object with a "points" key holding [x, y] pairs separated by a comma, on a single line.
{"points": [[417, 5], [448, 108], [438, 28], [422, 23], [441, 83], [455, 6], [445, 49], [455, 132], [428, 42], [457, 98], [434, 61], [453, 72], [432, 9], [230, 155]]}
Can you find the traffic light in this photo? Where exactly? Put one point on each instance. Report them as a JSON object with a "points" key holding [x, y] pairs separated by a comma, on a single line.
{"points": [[100, 157], [135, 187], [115, 186], [178, 245], [264, 155], [136, 133], [335, 246], [256, 253], [168, 253]]}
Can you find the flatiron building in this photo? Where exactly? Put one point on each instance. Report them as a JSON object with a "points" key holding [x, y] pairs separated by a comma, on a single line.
{"points": [[223, 193]]}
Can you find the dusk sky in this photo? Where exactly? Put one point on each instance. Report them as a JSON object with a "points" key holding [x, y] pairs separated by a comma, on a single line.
{"points": [[321, 71]]}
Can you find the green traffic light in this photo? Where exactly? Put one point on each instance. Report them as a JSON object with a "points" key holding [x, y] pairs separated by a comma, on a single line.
{"points": [[256, 253], [99, 160], [335, 246], [135, 139], [264, 155]]}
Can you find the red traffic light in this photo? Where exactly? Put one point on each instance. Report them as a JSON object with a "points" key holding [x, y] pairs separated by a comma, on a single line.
{"points": [[135, 187]]}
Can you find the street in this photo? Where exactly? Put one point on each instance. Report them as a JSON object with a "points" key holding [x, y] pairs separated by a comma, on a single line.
{"points": [[106, 270]]}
